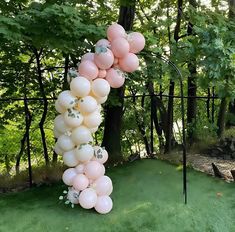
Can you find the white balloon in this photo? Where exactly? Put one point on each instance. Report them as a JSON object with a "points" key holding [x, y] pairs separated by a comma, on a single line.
{"points": [[73, 195], [100, 87], [101, 100], [92, 120], [88, 198], [58, 150], [81, 135], [67, 99], [80, 169], [87, 104], [70, 159], [60, 125], [56, 133], [94, 129], [84, 152], [59, 108], [65, 142], [68, 176], [73, 118], [100, 154], [104, 204], [80, 86]]}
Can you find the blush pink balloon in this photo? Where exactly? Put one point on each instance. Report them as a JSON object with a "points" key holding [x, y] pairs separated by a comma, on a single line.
{"points": [[88, 198], [115, 78], [104, 59], [103, 43], [129, 63], [102, 186], [120, 47], [68, 176], [80, 169], [115, 31], [94, 170], [80, 182], [104, 204], [88, 56], [88, 69], [136, 41], [102, 73]]}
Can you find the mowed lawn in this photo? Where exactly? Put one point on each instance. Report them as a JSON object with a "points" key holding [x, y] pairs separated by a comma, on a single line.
{"points": [[147, 197]]}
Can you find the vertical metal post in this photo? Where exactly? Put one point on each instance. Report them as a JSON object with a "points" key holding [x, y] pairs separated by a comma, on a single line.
{"points": [[151, 126], [28, 142]]}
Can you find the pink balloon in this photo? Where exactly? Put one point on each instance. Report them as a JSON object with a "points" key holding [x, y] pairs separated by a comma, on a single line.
{"points": [[88, 69], [114, 31], [136, 41], [88, 56], [80, 182], [115, 78], [102, 186], [102, 73], [104, 204], [120, 47], [94, 170], [129, 63], [88, 198], [103, 43], [103, 57], [68, 176], [80, 169]]}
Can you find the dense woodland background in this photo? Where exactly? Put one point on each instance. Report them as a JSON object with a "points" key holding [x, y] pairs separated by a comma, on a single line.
{"points": [[41, 41]]}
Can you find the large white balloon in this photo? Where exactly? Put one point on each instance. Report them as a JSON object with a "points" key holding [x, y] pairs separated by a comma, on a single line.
{"points": [[103, 186], [88, 198], [80, 86], [73, 118], [68, 176], [94, 170], [67, 99], [93, 120], [84, 153], [65, 142], [60, 126], [70, 159], [59, 108], [87, 104], [81, 135], [58, 150], [101, 100], [100, 87], [104, 204]]}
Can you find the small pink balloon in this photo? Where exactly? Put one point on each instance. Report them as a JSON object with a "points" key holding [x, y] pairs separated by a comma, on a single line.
{"points": [[68, 176], [120, 47], [102, 73], [115, 78], [88, 56], [80, 182], [104, 204], [103, 43], [115, 31], [88, 198], [103, 57], [136, 41], [102, 186], [94, 170], [88, 69], [129, 63], [80, 169]]}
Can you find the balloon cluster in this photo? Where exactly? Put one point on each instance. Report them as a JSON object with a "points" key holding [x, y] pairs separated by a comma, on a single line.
{"points": [[80, 116]]}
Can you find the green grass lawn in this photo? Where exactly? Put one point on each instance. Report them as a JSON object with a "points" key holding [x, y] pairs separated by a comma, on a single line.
{"points": [[147, 197]]}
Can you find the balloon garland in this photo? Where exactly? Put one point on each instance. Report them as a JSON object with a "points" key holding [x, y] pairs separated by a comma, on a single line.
{"points": [[80, 117]]}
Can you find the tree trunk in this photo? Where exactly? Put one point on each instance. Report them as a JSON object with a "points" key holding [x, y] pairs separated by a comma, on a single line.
{"points": [[45, 106], [113, 114], [221, 117], [192, 87]]}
